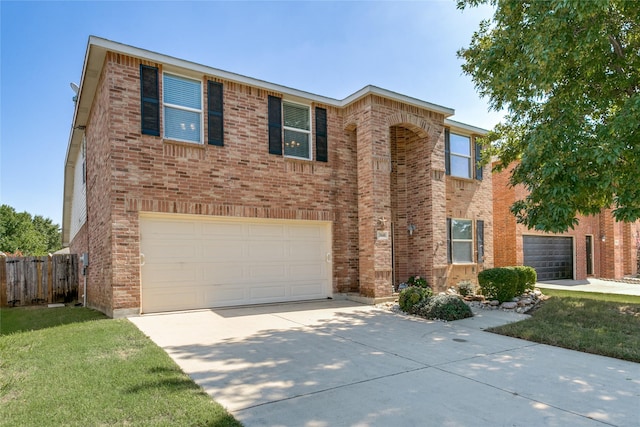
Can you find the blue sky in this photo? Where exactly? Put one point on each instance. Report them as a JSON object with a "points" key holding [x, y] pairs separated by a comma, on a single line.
{"points": [[327, 48]]}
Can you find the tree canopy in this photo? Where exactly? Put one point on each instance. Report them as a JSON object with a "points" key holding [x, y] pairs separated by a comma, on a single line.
{"points": [[22, 233], [567, 72]]}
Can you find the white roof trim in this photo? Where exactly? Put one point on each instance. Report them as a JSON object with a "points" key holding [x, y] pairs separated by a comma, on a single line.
{"points": [[181, 63], [465, 127], [97, 48]]}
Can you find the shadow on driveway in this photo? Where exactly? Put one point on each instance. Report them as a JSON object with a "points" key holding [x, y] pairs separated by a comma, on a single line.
{"points": [[338, 364]]}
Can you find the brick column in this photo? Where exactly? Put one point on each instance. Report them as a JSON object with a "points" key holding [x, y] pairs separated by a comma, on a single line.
{"points": [[374, 208], [438, 207]]}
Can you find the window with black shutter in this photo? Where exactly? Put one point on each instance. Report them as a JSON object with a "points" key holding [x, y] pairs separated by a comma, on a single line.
{"points": [[480, 240], [275, 125], [478, 151], [215, 113], [150, 100], [447, 152], [322, 154], [449, 249]]}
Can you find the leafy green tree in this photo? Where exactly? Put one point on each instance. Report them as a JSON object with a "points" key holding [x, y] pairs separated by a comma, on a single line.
{"points": [[567, 72], [19, 232]]}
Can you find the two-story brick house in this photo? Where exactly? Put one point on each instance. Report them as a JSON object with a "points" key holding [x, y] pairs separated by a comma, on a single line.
{"points": [[598, 247], [191, 187]]}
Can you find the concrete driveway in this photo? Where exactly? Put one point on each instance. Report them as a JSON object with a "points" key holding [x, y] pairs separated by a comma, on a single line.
{"points": [[337, 363]]}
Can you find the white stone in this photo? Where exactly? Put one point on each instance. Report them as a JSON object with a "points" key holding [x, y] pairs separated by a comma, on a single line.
{"points": [[509, 305]]}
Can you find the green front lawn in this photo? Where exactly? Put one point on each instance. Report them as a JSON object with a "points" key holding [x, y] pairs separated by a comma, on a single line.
{"points": [[604, 324], [74, 367]]}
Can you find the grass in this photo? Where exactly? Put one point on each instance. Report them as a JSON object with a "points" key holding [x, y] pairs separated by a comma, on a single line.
{"points": [[74, 367], [604, 324]]}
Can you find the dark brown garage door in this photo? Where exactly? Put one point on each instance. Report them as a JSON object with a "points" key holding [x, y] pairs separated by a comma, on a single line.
{"points": [[551, 257]]}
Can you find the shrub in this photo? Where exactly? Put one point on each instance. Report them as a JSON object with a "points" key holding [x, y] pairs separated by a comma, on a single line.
{"points": [[418, 281], [411, 297], [466, 288], [527, 278], [499, 283], [445, 307]]}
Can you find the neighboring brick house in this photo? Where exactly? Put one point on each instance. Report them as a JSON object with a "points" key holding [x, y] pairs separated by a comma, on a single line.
{"points": [[191, 187], [598, 246]]}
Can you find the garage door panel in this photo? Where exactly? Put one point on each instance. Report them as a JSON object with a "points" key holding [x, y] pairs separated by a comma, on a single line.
{"points": [[305, 290], [305, 233], [222, 229], [302, 271], [267, 251], [267, 272], [550, 256], [270, 231], [221, 296], [301, 251], [222, 250], [170, 300], [222, 272], [173, 229], [275, 292], [167, 275], [199, 262], [161, 251]]}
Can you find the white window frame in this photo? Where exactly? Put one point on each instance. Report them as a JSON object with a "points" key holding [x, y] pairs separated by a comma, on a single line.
{"points": [[184, 108], [469, 157], [454, 241], [309, 132]]}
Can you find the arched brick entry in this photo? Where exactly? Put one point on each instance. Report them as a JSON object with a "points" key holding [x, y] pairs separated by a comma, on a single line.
{"points": [[410, 196]]}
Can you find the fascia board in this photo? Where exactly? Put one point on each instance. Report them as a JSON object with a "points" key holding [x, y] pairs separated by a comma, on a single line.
{"points": [[465, 127]]}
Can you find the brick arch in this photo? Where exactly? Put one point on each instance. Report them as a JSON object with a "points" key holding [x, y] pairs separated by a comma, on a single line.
{"points": [[414, 123]]}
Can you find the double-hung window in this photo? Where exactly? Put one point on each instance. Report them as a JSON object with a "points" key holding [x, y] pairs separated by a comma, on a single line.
{"points": [[461, 241], [182, 107], [297, 130], [460, 155]]}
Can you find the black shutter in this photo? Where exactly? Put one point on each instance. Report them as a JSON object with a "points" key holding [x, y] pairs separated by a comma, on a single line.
{"points": [[478, 150], [447, 152], [480, 239], [449, 248], [322, 153], [215, 113], [275, 125], [150, 100]]}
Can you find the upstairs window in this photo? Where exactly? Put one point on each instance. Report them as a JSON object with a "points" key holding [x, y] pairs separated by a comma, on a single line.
{"points": [[459, 161], [460, 155], [297, 130], [182, 107]]}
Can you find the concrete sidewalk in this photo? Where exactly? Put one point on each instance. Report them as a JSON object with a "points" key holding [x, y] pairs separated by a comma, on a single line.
{"points": [[337, 363], [593, 285]]}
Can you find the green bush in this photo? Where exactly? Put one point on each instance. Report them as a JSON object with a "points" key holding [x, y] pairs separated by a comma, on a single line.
{"points": [[445, 307], [466, 288], [419, 281], [499, 283], [527, 278], [411, 297]]}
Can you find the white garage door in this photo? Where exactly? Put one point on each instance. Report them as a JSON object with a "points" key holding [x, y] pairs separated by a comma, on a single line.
{"points": [[191, 262]]}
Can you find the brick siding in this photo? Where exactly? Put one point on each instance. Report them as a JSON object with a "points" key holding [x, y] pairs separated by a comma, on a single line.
{"points": [[614, 243], [386, 165]]}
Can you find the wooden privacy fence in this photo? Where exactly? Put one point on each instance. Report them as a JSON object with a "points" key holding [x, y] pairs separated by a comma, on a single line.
{"points": [[38, 280]]}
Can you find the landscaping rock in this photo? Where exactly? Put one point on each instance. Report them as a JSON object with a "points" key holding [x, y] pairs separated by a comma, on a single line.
{"points": [[510, 305]]}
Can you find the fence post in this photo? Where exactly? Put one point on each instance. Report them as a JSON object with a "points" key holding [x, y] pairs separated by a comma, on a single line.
{"points": [[3, 280], [50, 279]]}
